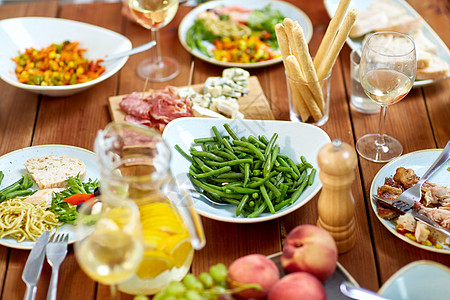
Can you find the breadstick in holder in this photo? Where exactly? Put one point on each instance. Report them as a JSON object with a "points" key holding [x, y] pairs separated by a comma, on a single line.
{"points": [[300, 91], [297, 102], [327, 64], [330, 33], [307, 66]]}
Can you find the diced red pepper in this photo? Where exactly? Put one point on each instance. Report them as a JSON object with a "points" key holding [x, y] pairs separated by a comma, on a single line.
{"points": [[78, 198]]}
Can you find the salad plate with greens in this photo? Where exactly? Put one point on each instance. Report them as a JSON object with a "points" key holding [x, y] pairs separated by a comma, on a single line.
{"points": [[233, 33]]}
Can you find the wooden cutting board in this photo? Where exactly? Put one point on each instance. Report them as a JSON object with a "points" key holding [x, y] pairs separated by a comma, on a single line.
{"points": [[254, 105]]}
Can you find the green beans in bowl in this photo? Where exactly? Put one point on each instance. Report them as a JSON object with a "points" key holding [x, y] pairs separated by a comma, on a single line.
{"points": [[265, 169]]}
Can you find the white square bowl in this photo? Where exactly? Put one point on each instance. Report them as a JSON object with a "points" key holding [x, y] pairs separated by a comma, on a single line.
{"points": [[294, 139]]}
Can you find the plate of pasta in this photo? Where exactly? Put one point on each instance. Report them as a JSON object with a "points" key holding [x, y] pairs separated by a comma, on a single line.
{"points": [[235, 33], [21, 223]]}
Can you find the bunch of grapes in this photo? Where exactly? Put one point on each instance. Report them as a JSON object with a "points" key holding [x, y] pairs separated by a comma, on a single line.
{"points": [[206, 286]]}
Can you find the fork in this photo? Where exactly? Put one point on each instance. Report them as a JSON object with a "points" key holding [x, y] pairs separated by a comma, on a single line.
{"points": [[56, 252], [406, 200]]}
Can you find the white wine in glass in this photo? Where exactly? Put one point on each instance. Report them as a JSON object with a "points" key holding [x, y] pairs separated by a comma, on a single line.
{"points": [[110, 245], [387, 73], [153, 15]]}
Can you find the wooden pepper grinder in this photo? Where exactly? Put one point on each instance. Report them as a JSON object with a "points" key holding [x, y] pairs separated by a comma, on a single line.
{"points": [[337, 162]]}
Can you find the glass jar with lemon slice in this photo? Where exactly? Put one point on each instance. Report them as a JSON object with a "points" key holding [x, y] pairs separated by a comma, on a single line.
{"points": [[134, 163]]}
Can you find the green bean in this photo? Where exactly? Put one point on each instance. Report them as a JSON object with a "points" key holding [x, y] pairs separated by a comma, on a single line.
{"points": [[217, 134], [270, 145], [297, 193], [18, 193], [209, 155], [257, 142], [293, 166], [273, 188], [213, 172], [260, 182], [205, 140], [241, 190], [267, 199], [227, 144], [230, 162], [258, 211], [282, 161], [263, 139], [246, 173], [303, 159], [1, 176], [250, 146], [230, 131], [241, 204], [208, 189], [201, 164], [185, 155], [311, 176], [25, 182], [230, 175], [12, 185]]}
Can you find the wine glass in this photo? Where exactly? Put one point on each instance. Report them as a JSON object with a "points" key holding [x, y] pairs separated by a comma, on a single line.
{"points": [[109, 246], [154, 14], [387, 72]]}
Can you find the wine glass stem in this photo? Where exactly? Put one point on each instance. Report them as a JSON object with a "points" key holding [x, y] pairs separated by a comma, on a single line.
{"points": [[157, 53], [381, 127], [115, 295]]}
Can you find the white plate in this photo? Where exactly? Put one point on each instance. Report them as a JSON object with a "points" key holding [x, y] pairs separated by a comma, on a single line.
{"points": [[294, 139], [419, 161], [287, 9], [418, 280], [12, 165], [17, 34], [355, 43]]}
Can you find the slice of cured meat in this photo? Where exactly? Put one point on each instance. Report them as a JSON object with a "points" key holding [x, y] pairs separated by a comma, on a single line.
{"points": [[133, 105]]}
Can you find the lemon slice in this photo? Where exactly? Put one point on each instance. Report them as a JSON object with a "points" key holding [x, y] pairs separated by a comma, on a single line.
{"points": [[177, 247], [153, 264]]}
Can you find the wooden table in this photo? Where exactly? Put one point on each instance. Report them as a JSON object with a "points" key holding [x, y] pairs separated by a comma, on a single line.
{"points": [[420, 121]]}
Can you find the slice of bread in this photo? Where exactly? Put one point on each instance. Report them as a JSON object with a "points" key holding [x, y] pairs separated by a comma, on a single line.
{"points": [[390, 8], [403, 24], [367, 21], [437, 69], [52, 171]]}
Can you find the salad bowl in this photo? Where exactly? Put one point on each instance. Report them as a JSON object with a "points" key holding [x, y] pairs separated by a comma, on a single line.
{"points": [[18, 34]]}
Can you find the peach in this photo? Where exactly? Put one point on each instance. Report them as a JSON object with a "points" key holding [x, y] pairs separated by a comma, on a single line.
{"points": [[311, 249], [252, 269], [298, 286]]}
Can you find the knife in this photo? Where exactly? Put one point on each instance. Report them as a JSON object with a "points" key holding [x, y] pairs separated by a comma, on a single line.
{"points": [[416, 214], [33, 266]]}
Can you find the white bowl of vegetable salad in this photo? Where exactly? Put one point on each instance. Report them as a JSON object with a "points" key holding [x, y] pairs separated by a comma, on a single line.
{"points": [[57, 57], [235, 33]]}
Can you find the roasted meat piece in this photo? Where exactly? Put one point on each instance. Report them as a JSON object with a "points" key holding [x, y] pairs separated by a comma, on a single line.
{"points": [[406, 177], [436, 195], [440, 215], [389, 192]]}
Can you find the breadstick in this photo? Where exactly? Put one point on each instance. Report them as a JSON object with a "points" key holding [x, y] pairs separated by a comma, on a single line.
{"points": [[297, 102], [331, 32], [289, 27], [307, 66], [283, 43], [308, 100], [328, 62]]}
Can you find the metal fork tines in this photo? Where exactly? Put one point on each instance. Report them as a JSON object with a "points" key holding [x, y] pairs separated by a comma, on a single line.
{"points": [[56, 252], [407, 198]]}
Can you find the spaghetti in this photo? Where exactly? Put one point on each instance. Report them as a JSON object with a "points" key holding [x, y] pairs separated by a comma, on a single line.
{"points": [[24, 221]]}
